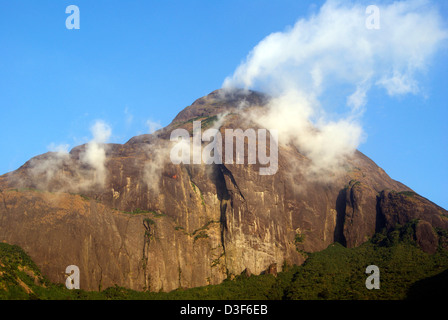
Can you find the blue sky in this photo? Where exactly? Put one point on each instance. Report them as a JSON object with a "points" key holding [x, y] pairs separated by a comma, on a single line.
{"points": [[134, 61]]}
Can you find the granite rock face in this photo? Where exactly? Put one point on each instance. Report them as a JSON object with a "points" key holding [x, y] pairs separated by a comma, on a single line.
{"points": [[154, 225]]}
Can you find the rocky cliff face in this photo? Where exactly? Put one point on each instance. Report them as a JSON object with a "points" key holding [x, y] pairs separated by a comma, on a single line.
{"points": [[154, 225]]}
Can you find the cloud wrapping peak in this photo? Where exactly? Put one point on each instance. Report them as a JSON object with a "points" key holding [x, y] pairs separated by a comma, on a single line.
{"points": [[333, 55]]}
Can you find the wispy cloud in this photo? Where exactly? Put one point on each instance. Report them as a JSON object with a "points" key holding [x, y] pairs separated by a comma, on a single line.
{"points": [[58, 148], [128, 116], [153, 126]]}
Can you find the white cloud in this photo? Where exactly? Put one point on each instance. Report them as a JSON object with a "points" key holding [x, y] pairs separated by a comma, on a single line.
{"points": [[334, 47], [101, 132], [358, 99], [329, 52], [95, 152], [398, 84]]}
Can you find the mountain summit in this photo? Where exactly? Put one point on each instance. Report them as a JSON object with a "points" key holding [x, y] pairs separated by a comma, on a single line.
{"points": [[126, 215]]}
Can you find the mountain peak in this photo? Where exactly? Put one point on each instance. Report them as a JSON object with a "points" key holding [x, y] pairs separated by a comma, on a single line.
{"points": [[219, 101]]}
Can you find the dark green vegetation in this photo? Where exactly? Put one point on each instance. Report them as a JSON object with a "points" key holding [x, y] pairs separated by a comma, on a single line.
{"points": [[21, 279], [406, 272]]}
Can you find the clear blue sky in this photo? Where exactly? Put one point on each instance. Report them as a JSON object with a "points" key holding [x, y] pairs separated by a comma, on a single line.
{"points": [[133, 61]]}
